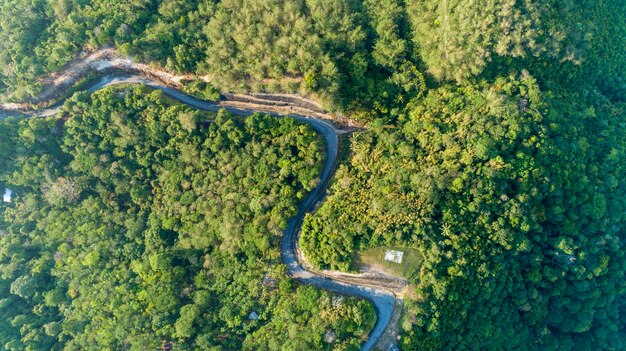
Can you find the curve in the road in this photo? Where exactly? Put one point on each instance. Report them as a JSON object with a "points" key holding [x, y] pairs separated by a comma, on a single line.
{"points": [[383, 301]]}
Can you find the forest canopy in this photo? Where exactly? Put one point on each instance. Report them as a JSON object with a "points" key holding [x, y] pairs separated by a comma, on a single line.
{"points": [[139, 221], [494, 148], [515, 201], [360, 55]]}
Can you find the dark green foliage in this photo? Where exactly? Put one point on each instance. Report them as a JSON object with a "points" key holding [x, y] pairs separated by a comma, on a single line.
{"points": [[365, 56], [515, 201], [350, 55], [43, 36], [569, 41], [510, 187], [138, 221], [201, 90], [343, 317]]}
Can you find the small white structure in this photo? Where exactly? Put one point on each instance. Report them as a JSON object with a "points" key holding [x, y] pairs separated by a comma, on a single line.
{"points": [[394, 256], [329, 336], [7, 195], [253, 316]]}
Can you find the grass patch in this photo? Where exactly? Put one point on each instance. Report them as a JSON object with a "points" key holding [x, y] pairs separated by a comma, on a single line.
{"points": [[408, 269]]}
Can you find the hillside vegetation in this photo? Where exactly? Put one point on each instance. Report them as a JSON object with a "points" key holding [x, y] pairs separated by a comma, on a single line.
{"points": [[495, 148], [136, 222], [516, 202]]}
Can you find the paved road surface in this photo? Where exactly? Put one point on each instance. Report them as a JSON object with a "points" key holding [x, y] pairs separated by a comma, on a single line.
{"points": [[383, 301]]}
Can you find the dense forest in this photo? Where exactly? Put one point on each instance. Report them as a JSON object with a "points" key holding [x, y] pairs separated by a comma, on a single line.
{"points": [[495, 148], [516, 203], [362, 55], [137, 222]]}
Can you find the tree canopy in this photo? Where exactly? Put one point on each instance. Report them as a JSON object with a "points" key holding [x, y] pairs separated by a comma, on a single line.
{"points": [[139, 221], [513, 198], [494, 149]]}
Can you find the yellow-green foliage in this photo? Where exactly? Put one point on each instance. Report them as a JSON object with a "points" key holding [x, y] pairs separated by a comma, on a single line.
{"points": [[137, 222]]}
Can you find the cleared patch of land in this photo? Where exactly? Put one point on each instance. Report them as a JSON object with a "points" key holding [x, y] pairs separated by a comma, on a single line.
{"points": [[374, 260]]}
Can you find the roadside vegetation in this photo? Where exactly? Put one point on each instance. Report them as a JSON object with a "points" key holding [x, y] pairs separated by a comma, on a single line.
{"points": [[200, 90], [136, 222], [496, 149], [512, 197]]}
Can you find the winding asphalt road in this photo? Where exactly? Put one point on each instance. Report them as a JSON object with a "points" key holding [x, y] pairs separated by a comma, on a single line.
{"points": [[384, 302]]}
